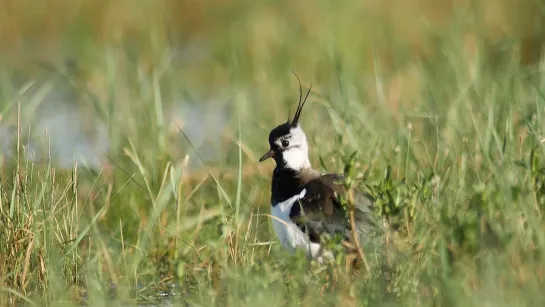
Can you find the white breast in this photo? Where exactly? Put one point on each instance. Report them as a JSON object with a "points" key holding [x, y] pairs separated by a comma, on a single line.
{"points": [[289, 235]]}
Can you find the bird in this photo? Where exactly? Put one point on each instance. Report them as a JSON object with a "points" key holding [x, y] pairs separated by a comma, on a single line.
{"points": [[306, 205]]}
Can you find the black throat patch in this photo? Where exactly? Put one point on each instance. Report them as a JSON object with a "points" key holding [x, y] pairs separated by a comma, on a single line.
{"points": [[286, 183]]}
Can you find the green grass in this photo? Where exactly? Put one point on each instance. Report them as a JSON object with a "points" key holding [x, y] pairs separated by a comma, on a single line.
{"points": [[450, 143]]}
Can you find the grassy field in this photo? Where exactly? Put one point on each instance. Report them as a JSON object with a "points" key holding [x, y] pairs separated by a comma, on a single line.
{"points": [[104, 202]]}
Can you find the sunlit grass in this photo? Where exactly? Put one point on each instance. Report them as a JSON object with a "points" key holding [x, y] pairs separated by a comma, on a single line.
{"points": [[446, 122]]}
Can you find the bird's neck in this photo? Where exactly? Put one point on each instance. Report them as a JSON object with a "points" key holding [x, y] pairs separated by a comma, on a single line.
{"points": [[293, 160]]}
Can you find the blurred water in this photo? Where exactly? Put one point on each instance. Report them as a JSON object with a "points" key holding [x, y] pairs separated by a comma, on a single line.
{"points": [[204, 125], [53, 128], [59, 129], [68, 140]]}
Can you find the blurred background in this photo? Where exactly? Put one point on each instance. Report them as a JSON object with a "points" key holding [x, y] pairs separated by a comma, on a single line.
{"points": [[90, 74]]}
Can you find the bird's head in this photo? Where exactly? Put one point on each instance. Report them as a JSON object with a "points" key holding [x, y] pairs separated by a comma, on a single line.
{"points": [[288, 143]]}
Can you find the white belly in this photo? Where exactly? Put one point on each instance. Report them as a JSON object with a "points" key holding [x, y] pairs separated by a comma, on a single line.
{"points": [[289, 235]]}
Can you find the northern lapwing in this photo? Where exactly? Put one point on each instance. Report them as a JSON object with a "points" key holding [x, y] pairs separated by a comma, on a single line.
{"points": [[305, 203]]}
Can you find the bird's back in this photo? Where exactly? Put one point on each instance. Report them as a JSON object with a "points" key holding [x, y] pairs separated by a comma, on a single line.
{"points": [[322, 210]]}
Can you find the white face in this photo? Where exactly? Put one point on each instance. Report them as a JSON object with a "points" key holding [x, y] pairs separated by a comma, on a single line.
{"points": [[295, 154]]}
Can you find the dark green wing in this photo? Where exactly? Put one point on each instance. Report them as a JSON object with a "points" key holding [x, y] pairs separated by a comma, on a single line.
{"points": [[321, 210]]}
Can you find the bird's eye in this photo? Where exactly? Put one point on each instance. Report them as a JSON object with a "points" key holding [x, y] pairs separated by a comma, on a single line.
{"points": [[285, 143]]}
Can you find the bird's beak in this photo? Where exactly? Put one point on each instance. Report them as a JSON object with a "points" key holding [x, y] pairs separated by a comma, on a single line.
{"points": [[267, 155]]}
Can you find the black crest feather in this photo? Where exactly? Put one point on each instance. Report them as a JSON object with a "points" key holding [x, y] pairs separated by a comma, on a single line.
{"points": [[301, 104]]}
